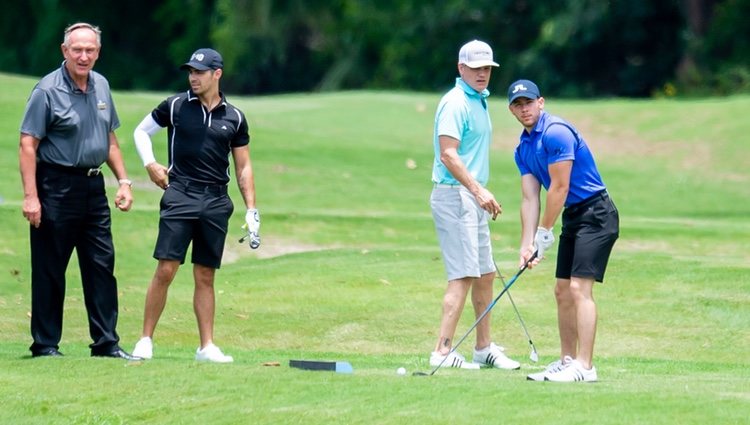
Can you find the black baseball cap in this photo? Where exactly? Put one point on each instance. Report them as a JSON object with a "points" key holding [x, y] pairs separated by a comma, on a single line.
{"points": [[523, 88], [204, 59]]}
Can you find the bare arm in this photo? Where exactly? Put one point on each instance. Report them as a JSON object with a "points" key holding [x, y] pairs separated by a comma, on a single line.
{"points": [[558, 192], [530, 208], [32, 209], [449, 157], [244, 171], [124, 196]]}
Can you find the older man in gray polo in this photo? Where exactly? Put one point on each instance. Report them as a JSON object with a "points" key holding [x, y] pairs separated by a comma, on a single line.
{"points": [[67, 134]]}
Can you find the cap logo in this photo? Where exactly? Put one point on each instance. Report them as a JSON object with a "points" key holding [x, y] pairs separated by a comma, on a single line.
{"points": [[519, 87], [198, 56]]}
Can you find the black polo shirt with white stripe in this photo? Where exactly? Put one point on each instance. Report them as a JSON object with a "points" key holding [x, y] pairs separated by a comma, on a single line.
{"points": [[199, 141]]}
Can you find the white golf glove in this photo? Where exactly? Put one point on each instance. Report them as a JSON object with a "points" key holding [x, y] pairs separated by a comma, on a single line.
{"points": [[543, 240], [252, 224]]}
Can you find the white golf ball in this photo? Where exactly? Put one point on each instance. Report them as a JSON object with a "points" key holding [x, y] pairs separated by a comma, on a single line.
{"points": [[401, 371]]}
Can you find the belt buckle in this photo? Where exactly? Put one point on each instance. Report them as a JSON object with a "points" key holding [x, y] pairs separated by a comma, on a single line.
{"points": [[93, 172]]}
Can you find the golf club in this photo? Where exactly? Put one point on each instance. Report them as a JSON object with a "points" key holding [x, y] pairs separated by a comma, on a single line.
{"points": [[244, 238], [534, 356], [255, 243], [481, 316]]}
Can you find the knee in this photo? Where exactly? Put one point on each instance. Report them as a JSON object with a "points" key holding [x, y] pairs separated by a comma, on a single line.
{"points": [[165, 273], [452, 303], [204, 276], [581, 291], [563, 294]]}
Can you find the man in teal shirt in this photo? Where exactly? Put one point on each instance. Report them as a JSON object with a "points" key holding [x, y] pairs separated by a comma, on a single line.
{"points": [[461, 207]]}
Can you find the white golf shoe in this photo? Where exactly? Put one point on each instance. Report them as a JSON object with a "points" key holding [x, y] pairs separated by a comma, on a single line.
{"points": [[453, 360], [212, 353], [573, 372], [144, 348], [553, 367], [493, 356]]}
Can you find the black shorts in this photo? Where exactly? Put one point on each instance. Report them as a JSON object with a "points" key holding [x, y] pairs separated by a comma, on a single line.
{"points": [[589, 231], [197, 213]]}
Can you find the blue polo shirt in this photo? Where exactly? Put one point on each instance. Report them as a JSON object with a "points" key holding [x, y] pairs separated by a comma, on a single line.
{"points": [[553, 140], [462, 114]]}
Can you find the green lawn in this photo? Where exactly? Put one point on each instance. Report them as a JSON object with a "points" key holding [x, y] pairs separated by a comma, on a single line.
{"points": [[350, 270]]}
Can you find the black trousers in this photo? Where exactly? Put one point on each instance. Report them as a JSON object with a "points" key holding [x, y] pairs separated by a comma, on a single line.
{"points": [[75, 215]]}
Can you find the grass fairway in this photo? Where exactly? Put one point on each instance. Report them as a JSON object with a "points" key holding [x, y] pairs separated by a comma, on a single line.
{"points": [[350, 270]]}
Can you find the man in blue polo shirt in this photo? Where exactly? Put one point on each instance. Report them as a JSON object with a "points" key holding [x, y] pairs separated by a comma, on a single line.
{"points": [[203, 130], [461, 207], [552, 154]]}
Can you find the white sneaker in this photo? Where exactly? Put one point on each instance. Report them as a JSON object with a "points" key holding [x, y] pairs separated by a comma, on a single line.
{"points": [[144, 348], [553, 367], [454, 360], [573, 372], [212, 353], [493, 356]]}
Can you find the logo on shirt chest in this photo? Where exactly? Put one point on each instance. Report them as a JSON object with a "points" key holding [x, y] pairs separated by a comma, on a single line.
{"points": [[100, 105]]}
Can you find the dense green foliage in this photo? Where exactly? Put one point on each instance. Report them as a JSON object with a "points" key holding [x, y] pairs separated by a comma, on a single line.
{"points": [[350, 270], [574, 48]]}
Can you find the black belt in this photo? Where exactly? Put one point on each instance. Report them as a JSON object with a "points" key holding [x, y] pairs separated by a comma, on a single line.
{"points": [[601, 195], [78, 171], [191, 186]]}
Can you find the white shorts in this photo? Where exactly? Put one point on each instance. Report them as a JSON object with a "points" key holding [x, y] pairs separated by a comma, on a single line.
{"points": [[463, 231]]}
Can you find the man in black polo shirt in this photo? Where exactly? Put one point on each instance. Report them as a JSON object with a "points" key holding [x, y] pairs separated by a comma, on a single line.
{"points": [[203, 129], [67, 134]]}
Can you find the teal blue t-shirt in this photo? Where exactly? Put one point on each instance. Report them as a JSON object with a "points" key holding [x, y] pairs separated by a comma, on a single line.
{"points": [[462, 114]]}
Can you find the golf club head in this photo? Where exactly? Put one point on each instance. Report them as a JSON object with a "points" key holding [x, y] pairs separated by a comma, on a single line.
{"points": [[534, 356], [420, 374], [254, 240]]}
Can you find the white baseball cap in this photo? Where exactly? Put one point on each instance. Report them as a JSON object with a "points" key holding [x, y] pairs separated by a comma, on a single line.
{"points": [[476, 54]]}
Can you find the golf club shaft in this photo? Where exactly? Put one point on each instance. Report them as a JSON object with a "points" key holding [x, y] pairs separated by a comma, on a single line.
{"points": [[518, 314], [523, 325], [244, 238], [486, 311]]}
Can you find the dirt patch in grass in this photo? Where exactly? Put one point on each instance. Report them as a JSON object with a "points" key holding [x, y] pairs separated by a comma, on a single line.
{"points": [[270, 247]]}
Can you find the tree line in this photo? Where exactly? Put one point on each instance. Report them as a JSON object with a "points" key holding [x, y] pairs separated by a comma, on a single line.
{"points": [[573, 48]]}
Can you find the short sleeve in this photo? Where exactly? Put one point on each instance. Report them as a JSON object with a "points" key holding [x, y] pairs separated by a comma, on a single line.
{"points": [[161, 113], [242, 137], [35, 116], [522, 168], [115, 119], [560, 143], [450, 120]]}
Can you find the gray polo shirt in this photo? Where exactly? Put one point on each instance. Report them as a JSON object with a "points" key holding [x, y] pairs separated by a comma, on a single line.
{"points": [[72, 126]]}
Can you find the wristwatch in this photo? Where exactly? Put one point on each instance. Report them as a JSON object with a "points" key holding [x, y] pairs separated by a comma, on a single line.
{"points": [[125, 181]]}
